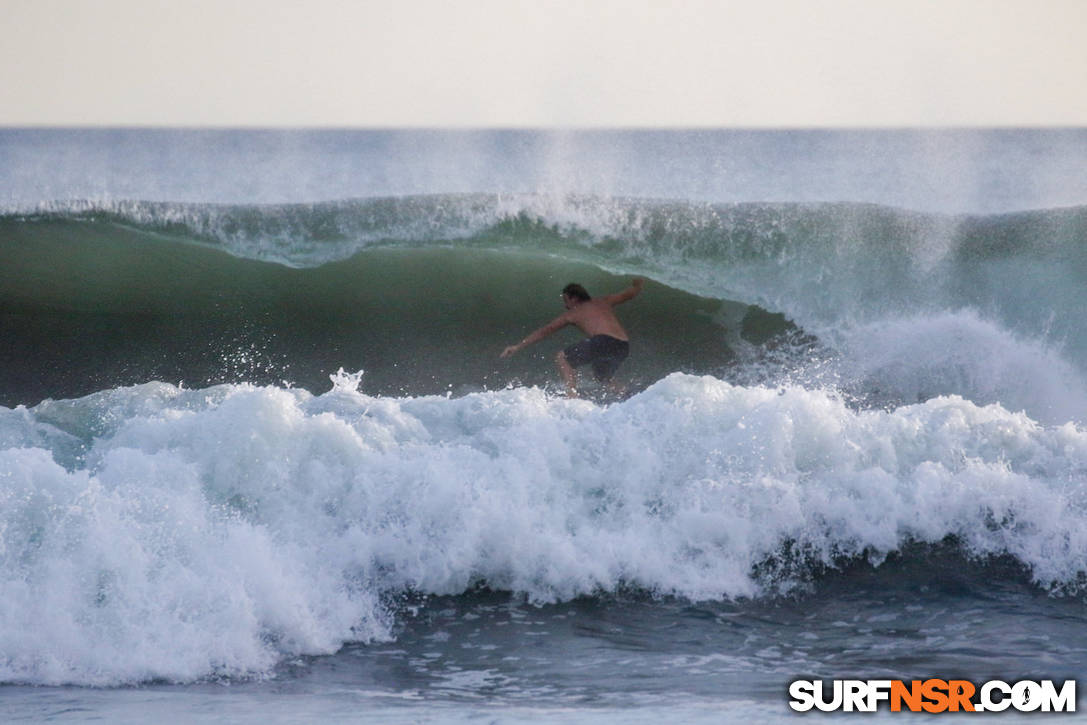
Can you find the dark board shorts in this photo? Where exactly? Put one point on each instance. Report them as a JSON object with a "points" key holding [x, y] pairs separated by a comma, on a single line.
{"points": [[605, 353]]}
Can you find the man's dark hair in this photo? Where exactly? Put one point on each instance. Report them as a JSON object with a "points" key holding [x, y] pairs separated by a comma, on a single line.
{"points": [[576, 291]]}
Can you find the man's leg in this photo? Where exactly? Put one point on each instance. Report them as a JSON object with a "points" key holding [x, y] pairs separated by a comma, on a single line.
{"points": [[604, 368], [569, 375]]}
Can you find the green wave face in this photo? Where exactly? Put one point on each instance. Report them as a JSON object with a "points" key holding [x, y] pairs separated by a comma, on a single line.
{"points": [[101, 306], [424, 292]]}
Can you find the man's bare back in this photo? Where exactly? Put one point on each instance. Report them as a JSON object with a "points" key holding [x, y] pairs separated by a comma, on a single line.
{"points": [[606, 346], [595, 317]]}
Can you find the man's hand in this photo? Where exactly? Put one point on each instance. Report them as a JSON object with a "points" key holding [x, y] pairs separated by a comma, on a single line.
{"points": [[637, 282], [510, 350]]}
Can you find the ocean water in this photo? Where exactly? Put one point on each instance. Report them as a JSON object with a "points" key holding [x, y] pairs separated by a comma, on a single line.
{"points": [[260, 461]]}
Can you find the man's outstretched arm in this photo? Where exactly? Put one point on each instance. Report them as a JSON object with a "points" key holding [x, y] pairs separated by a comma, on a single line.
{"points": [[628, 294], [551, 327]]}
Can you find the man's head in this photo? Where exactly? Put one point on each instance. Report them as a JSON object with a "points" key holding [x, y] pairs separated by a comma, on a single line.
{"points": [[574, 294]]}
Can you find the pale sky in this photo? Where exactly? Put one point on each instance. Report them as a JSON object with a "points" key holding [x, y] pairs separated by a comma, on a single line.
{"points": [[544, 63]]}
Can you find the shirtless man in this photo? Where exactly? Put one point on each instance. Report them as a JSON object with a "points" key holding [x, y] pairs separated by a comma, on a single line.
{"points": [[607, 344]]}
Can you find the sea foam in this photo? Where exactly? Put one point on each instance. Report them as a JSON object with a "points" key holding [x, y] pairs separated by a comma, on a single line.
{"points": [[157, 532]]}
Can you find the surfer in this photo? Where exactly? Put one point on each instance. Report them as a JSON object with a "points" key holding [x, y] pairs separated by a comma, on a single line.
{"points": [[607, 344]]}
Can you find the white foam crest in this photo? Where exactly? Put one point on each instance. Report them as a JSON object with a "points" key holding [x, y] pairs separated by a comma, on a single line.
{"points": [[214, 532], [308, 235], [959, 352], [132, 569], [599, 216]]}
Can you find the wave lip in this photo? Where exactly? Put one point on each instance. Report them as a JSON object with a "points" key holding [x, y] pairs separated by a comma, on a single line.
{"points": [[199, 533]]}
